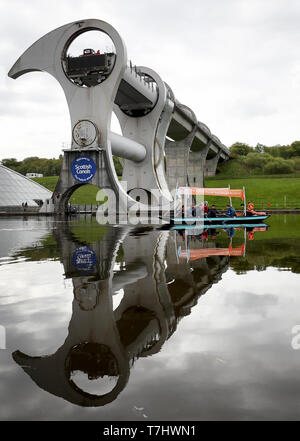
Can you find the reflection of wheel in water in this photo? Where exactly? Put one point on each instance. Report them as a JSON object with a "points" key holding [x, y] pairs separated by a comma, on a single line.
{"points": [[92, 368], [135, 321], [86, 295]]}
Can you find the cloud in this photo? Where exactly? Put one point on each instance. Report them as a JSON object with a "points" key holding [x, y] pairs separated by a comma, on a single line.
{"points": [[235, 63]]}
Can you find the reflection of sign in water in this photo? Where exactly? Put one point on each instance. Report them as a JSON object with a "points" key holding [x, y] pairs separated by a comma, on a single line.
{"points": [[83, 169], [84, 259], [2, 337]]}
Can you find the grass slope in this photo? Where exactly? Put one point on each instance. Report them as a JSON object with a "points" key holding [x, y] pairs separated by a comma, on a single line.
{"points": [[261, 190], [237, 168], [83, 195]]}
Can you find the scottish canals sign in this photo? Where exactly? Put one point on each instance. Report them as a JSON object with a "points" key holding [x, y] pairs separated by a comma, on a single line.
{"points": [[83, 169], [84, 259]]}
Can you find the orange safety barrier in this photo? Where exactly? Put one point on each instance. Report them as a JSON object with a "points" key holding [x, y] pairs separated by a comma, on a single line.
{"points": [[226, 192], [208, 252]]}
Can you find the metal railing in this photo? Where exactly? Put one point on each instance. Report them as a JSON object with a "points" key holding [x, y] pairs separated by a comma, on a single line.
{"points": [[280, 204], [262, 204], [83, 208]]}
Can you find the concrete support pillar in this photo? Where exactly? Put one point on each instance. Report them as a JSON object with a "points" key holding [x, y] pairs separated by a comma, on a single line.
{"points": [[211, 165], [196, 167], [149, 131], [177, 157], [67, 184]]}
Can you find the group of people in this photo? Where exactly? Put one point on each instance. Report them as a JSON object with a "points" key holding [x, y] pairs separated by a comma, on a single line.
{"points": [[208, 211], [230, 211], [212, 211]]}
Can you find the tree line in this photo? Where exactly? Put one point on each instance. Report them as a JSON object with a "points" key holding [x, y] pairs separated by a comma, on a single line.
{"points": [[47, 167], [33, 164], [269, 160], [262, 159]]}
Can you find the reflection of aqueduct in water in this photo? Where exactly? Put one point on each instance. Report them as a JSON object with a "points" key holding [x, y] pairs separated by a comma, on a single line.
{"points": [[159, 289], [163, 144]]}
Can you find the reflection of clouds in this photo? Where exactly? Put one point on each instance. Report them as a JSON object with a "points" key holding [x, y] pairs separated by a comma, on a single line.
{"points": [[247, 302], [259, 378], [35, 307], [260, 375], [231, 358], [18, 234], [226, 299], [243, 388], [100, 386], [2, 337], [117, 298]]}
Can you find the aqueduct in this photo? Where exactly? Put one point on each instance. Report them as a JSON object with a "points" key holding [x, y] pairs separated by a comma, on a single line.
{"points": [[163, 145]]}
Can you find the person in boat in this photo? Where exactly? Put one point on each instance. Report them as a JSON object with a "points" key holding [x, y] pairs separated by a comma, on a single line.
{"points": [[230, 232], [213, 233], [251, 235], [250, 209], [212, 212], [188, 211], [205, 235], [199, 210], [206, 208], [193, 210], [230, 211]]}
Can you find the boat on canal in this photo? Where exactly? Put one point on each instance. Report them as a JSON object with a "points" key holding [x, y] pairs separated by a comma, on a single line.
{"points": [[243, 218]]}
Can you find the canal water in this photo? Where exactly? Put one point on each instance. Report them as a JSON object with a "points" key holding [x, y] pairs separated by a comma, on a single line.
{"points": [[138, 323]]}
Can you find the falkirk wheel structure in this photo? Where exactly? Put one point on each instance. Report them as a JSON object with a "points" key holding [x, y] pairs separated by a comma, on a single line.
{"points": [[162, 146]]}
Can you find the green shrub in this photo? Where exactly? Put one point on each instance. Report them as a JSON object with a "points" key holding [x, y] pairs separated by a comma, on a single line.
{"points": [[241, 149], [241, 159], [257, 161], [278, 166], [291, 162], [297, 163], [295, 147], [254, 160]]}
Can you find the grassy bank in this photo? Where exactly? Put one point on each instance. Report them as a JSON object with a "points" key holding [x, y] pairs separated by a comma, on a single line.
{"points": [[240, 168], [266, 191], [48, 182], [277, 191], [84, 195]]}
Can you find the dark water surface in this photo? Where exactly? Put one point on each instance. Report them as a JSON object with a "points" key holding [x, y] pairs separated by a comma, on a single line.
{"points": [[119, 323]]}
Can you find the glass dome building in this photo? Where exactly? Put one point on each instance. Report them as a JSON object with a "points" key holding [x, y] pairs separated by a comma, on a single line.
{"points": [[16, 189]]}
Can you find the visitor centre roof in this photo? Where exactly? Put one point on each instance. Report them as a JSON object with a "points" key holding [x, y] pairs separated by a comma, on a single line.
{"points": [[16, 189]]}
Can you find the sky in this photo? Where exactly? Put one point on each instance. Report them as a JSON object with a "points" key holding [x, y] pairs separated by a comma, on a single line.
{"points": [[235, 63]]}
